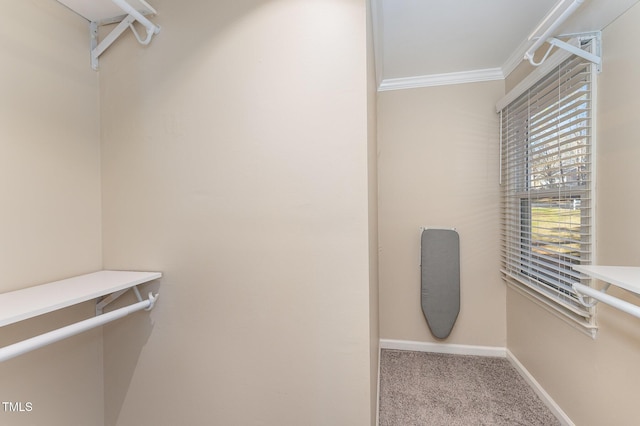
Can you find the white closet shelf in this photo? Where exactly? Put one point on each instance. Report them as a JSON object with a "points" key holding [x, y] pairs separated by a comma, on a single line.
{"points": [[100, 10], [33, 301], [626, 277]]}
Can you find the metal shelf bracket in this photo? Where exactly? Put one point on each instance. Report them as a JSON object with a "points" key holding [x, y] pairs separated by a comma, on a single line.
{"points": [[103, 302], [126, 21]]}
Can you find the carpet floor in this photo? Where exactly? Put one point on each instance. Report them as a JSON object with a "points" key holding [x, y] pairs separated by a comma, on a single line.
{"points": [[418, 388]]}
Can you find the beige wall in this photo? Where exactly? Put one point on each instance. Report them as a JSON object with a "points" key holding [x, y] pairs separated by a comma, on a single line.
{"points": [[50, 216], [438, 167], [235, 161], [597, 382]]}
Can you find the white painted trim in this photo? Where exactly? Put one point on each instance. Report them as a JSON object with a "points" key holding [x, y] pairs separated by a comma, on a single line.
{"points": [[539, 390], [378, 388], [443, 348], [474, 76], [378, 36], [553, 61], [516, 58], [547, 306]]}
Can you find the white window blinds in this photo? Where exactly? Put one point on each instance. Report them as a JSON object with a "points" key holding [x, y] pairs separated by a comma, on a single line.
{"points": [[547, 186]]}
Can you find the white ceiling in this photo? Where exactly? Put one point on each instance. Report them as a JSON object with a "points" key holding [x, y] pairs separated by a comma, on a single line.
{"points": [[426, 42], [416, 40]]}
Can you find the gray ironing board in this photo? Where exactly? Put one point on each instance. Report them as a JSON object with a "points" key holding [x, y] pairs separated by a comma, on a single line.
{"points": [[440, 279]]}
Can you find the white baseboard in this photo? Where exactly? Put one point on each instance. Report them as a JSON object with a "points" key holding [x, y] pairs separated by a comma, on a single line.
{"points": [[378, 389], [494, 351], [539, 390], [443, 348]]}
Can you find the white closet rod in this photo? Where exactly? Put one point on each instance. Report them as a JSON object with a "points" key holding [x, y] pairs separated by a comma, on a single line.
{"points": [[627, 307], [541, 39], [37, 342]]}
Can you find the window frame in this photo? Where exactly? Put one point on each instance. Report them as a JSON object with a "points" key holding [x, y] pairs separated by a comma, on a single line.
{"points": [[559, 300]]}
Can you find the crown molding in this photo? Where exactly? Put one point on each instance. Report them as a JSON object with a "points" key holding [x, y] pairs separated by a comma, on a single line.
{"points": [[474, 76], [516, 58]]}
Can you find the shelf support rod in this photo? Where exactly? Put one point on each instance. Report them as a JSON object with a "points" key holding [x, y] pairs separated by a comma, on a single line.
{"points": [[45, 339], [601, 296], [133, 15], [101, 304]]}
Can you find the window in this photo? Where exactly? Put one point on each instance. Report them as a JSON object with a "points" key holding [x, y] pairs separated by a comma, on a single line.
{"points": [[547, 210]]}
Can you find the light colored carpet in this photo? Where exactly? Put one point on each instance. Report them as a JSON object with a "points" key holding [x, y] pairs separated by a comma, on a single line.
{"points": [[418, 388]]}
